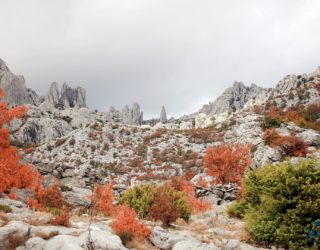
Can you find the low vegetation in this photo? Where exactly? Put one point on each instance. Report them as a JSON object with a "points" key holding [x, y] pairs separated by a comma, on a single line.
{"points": [[280, 203], [289, 145], [305, 117]]}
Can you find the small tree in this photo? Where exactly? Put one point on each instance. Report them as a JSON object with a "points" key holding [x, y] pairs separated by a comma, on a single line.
{"points": [[227, 163]]}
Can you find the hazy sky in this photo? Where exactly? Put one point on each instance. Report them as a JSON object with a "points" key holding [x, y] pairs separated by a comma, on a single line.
{"points": [[177, 53]]}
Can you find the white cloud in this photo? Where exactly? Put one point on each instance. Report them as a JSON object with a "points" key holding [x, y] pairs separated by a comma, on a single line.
{"points": [[179, 53]]}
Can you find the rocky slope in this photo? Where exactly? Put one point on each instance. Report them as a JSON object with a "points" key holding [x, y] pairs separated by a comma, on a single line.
{"points": [[78, 147]]}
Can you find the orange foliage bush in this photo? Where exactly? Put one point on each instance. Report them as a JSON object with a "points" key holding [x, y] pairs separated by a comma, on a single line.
{"points": [[293, 146], [272, 138], [290, 145], [13, 174], [125, 221], [34, 203], [102, 199], [183, 185], [302, 116], [227, 163], [63, 219], [169, 205], [51, 197]]}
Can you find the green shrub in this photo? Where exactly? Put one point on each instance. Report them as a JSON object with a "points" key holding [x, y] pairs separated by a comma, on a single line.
{"points": [[139, 198], [270, 122], [280, 202], [5, 209]]}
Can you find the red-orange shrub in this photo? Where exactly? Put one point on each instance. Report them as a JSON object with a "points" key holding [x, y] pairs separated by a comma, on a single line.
{"points": [[227, 163], [103, 198], [63, 219], [51, 197], [12, 172], [169, 205], [272, 138], [183, 185], [290, 145], [293, 146], [125, 221]]}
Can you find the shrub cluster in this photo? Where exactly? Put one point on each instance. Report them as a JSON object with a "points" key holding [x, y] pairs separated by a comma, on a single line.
{"points": [[306, 117], [290, 145], [167, 202], [280, 203]]}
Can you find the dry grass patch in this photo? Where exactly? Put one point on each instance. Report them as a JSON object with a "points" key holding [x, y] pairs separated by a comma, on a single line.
{"points": [[47, 236]]}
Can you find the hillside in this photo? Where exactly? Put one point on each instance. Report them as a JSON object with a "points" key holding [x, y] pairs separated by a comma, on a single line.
{"points": [[76, 148]]}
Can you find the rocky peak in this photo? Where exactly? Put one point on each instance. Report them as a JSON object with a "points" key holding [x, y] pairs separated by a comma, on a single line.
{"points": [[163, 115], [130, 116], [67, 98], [15, 87], [232, 99], [53, 95]]}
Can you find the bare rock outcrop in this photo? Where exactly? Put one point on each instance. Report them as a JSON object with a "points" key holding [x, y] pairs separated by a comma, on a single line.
{"points": [[163, 115], [130, 116], [232, 99], [15, 87], [67, 98]]}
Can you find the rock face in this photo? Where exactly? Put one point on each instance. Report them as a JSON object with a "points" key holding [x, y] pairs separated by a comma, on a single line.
{"points": [[163, 115], [67, 98], [166, 240], [53, 95], [16, 92], [130, 116], [232, 99]]}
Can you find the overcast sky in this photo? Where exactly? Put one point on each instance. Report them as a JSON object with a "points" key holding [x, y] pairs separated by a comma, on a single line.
{"points": [[177, 53]]}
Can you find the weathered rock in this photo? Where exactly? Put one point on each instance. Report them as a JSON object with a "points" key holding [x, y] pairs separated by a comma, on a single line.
{"points": [[265, 154], [310, 137], [35, 243], [163, 115], [233, 244], [166, 240], [193, 245], [72, 98], [63, 242], [53, 96], [202, 121], [232, 99], [78, 197], [41, 130], [136, 114], [16, 92], [185, 125], [17, 228]]}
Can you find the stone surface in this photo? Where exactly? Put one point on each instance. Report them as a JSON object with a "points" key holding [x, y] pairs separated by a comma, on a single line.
{"points": [[193, 245], [163, 115], [165, 239], [18, 228], [16, 92], [232, 99]]}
